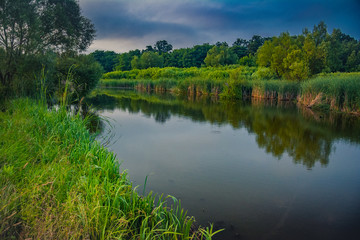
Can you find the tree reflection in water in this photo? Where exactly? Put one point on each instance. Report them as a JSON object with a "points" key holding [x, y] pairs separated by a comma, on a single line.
{"points": [[280, 128]]}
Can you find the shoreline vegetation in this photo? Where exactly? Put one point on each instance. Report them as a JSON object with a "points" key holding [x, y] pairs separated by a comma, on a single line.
{"points": [[332, 91], [57, 182]]}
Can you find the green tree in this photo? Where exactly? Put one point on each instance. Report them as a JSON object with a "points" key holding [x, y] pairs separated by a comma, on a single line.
{"points": [[195, 56], [353, 62], [147, 60], [124, 60], [163, 47], [175, 58], [265, 52], [315, 56], [151, 59], [319, 33], [296, 66], [255, 42], [83, 72], [339, 47], [148, 48], [107, 59], [220, 55], [29, 27], [135, 63], [249, 61], [284, 57]]}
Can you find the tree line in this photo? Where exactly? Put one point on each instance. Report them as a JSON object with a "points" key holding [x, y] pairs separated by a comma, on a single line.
{"points": [[291, 57], [162, 54]]}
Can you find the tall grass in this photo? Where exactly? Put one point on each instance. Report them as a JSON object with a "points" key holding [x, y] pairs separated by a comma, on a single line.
{"points": [[58, 183], [339, 91]]}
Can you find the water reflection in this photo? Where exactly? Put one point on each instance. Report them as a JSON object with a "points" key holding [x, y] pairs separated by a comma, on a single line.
{"points": [[280, 128], [231, 163]]}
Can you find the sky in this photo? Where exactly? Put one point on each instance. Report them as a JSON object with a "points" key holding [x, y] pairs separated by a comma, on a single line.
{"points": [[124, 25]]}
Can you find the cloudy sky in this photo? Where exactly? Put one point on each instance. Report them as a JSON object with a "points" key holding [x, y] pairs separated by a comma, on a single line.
{"points": [[123, 25]]}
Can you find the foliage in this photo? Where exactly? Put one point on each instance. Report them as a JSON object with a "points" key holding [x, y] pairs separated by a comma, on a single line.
{"points": [[107, 59], [284, 57], [29, 28], [298, 57], [124, 60], [147, 60], [163, 47], [220, 56], [249, 61], [58, 183], [264, 73], [82, 72]]}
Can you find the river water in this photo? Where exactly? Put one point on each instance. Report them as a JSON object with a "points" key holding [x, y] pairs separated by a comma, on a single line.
{"points": [[260, 170]]}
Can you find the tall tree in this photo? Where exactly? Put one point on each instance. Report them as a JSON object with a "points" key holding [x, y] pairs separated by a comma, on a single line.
{"points": [[163, 47], [220, 55], [124, 60], [147, 60], [254, 43], [240, 47], [320, 33], [29, 27], [107, 59]]}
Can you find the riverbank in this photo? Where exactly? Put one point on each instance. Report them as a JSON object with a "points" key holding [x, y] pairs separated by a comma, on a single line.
{"points": [[334, 91], [58, 183]]}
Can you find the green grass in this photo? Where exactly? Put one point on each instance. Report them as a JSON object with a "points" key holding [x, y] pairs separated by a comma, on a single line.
{"points": [[58, 183]]}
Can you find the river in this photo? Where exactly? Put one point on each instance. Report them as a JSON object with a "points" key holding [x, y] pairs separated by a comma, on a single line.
{"points": [[259, 169]]}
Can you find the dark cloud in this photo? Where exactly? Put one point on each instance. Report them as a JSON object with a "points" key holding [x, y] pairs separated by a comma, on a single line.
{"points": [[189, 22], [114, 20]]}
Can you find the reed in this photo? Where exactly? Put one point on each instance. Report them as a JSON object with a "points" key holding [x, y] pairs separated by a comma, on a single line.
{"points": [[58, 183], [338, 91]]}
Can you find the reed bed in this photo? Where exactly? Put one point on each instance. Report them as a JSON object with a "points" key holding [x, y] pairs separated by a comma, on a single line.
{"points": [[58, 183], [338, 91], [330, 91]]}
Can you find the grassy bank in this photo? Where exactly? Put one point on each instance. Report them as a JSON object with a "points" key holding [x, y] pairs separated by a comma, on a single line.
{"points": [[338, 91], [58, 183], [335, 91]]}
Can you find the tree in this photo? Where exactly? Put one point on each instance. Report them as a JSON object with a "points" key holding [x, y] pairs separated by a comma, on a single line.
{"points": [[151, 59], [124, 60], [320, 33], [315, 56], [175, 58], [220, 55], [219, 44], [339, 47], [353, 61], [295, 65], [82, 71], [255, 42], [163, 47], [30, 27], [241, 42], [284, 57], [148, 48], [135, 63], [194, 57], [147, 60], [107, 59]]}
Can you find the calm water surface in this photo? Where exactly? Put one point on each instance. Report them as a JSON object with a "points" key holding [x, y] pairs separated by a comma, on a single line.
{"points": [[260, 170]]}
